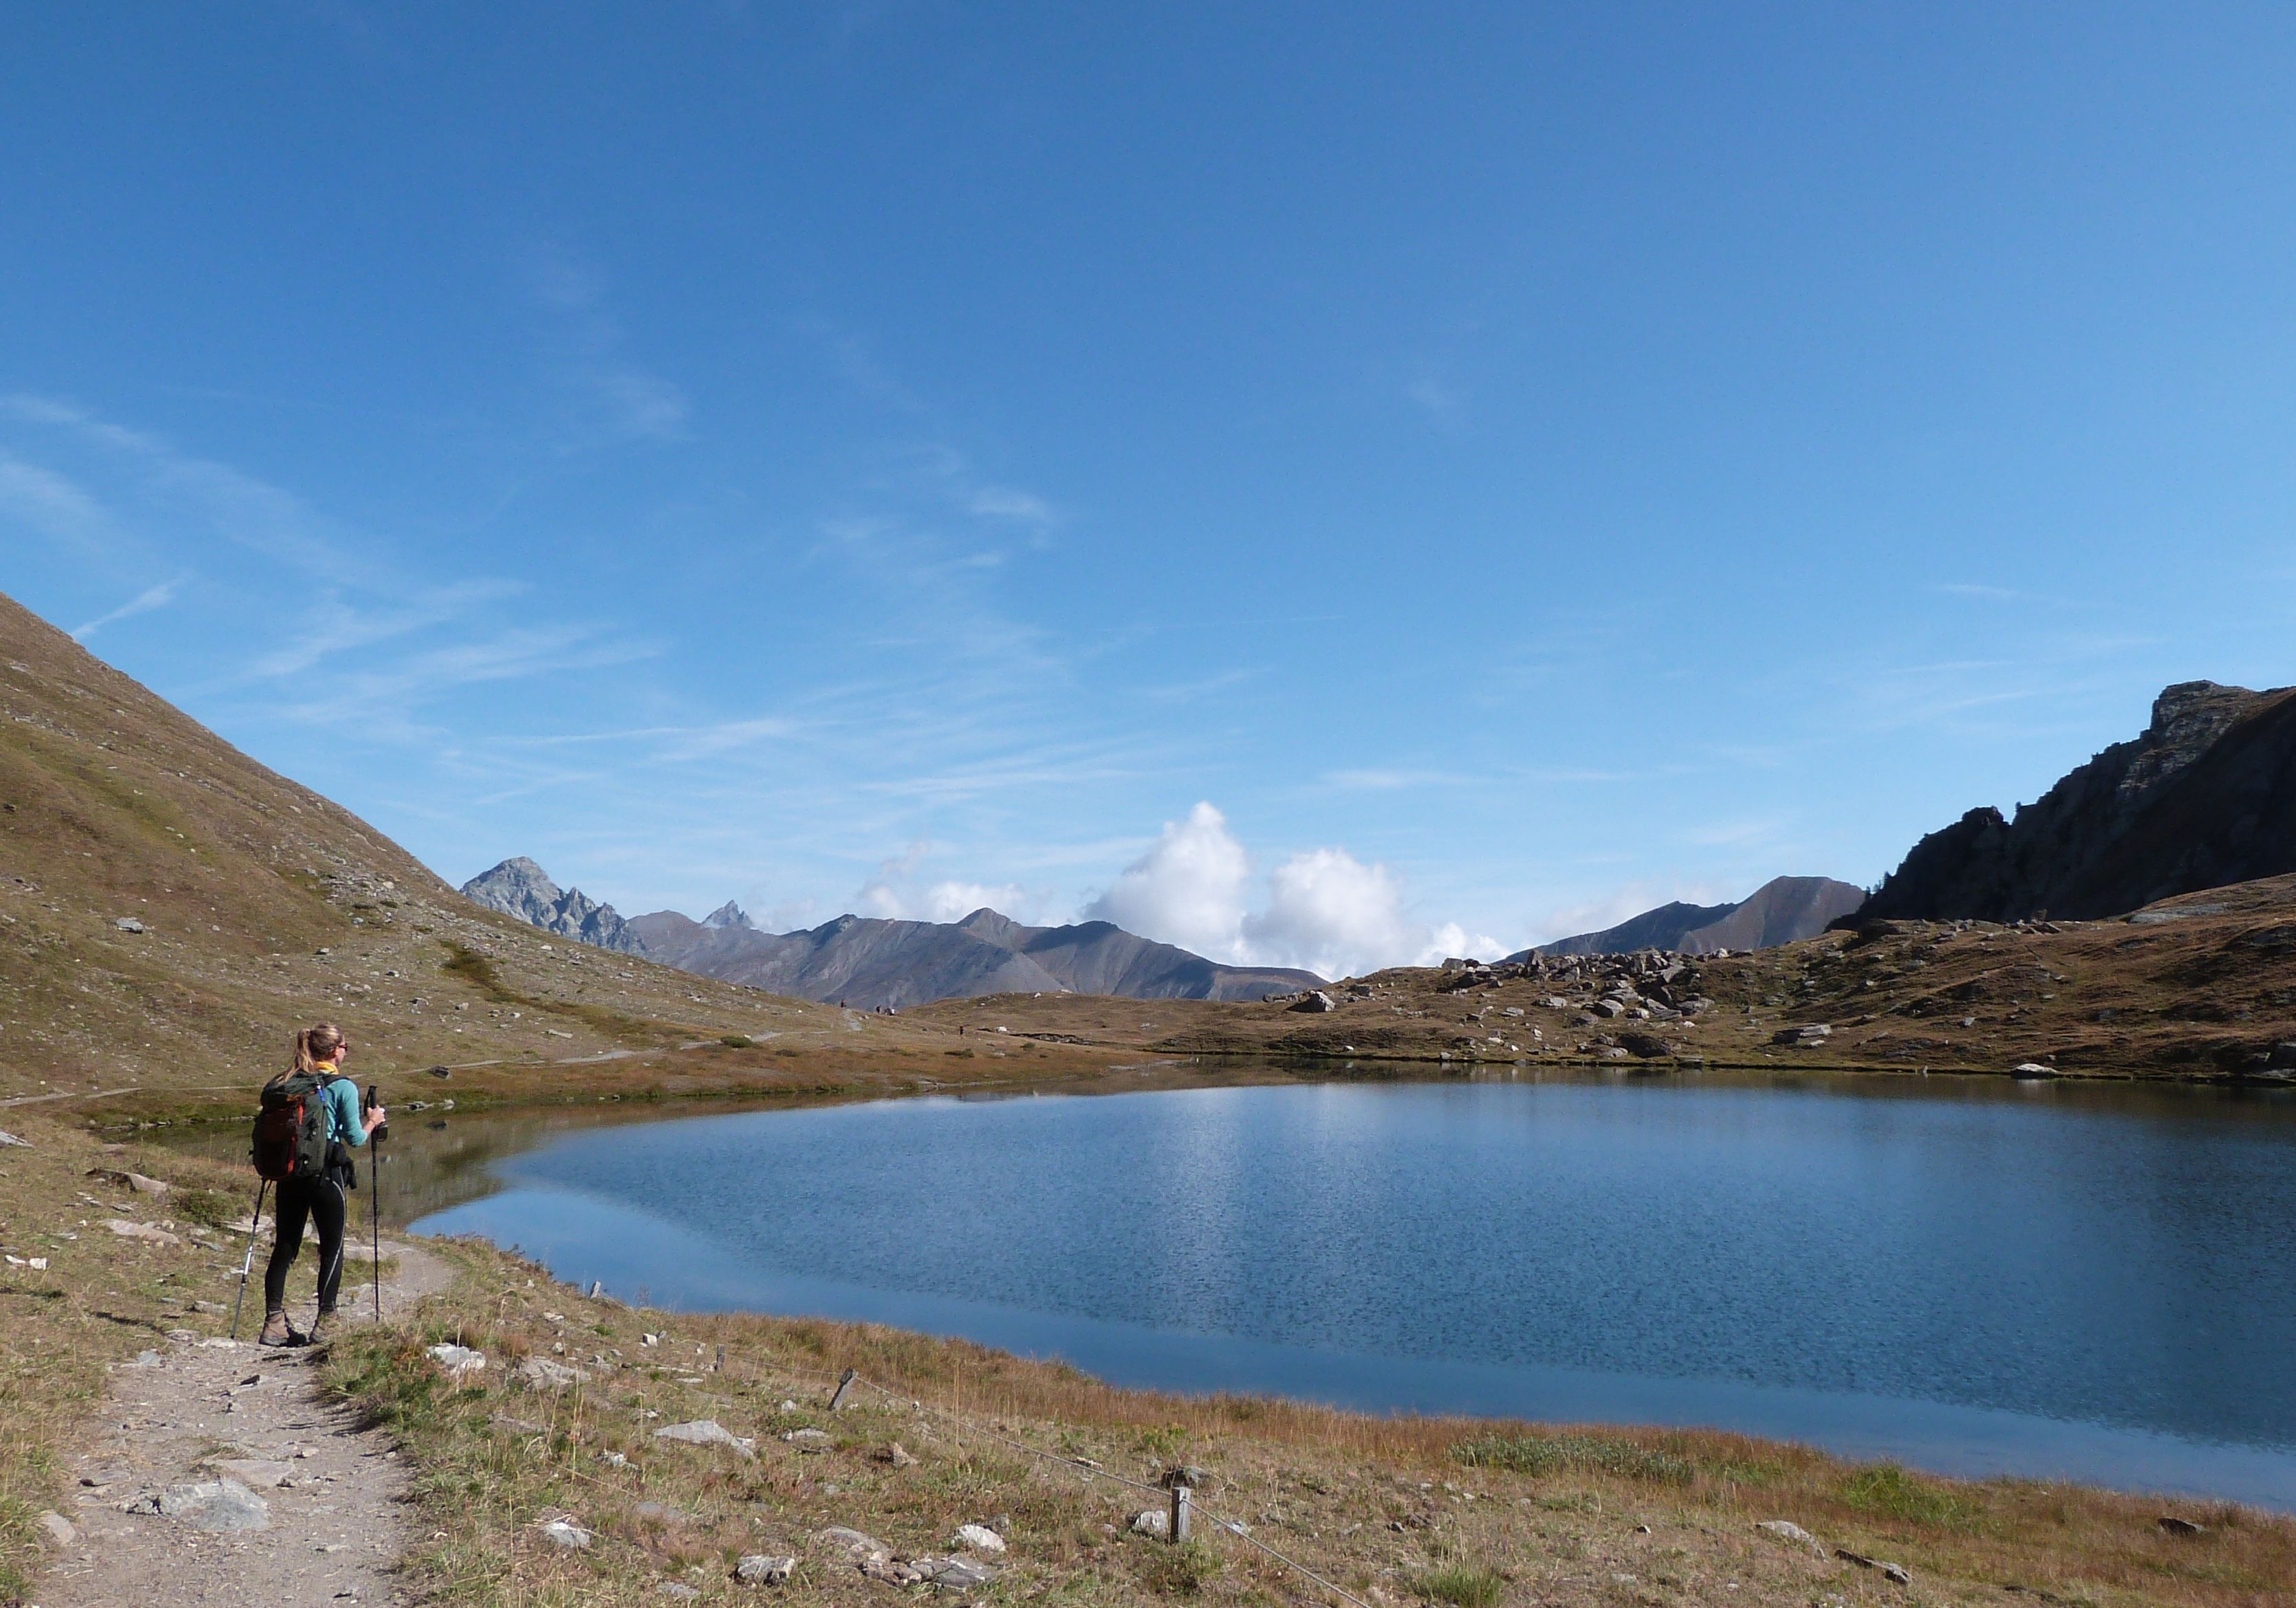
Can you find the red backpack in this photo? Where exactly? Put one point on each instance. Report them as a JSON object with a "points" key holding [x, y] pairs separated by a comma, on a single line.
{"points": [[291, 1128]]}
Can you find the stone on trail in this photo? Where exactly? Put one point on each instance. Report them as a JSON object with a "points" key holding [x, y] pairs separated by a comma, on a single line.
{"points": [[566, 1533], [764, 1569], [208, 1504], [257, 1473], [706, 1431], [978, 1537], [1787, 1530], [458, 1360], [58, 1528]]}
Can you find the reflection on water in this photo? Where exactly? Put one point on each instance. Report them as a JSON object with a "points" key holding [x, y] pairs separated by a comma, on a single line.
{"points": [[2098, 1282]]}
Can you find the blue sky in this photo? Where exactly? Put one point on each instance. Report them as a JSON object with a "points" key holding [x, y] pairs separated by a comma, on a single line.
{"points": [[1324, 483]]}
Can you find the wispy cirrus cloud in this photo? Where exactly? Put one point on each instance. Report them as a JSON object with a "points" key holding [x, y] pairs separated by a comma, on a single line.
{"points": [[142, 603], [610, 399]]}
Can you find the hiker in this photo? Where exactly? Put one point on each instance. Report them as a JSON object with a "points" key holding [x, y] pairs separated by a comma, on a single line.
{"points": [[316, 1170]]}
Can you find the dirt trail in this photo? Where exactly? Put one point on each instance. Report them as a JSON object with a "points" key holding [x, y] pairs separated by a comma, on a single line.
{"points": [[200, 1412]]}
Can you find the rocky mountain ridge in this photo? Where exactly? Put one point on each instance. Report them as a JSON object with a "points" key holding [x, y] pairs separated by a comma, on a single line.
{"points": [[2204, 797], [867, 962], [1783, 910]]}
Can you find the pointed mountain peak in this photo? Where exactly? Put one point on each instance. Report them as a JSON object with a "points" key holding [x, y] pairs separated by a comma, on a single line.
{"points": [[728, 915]]}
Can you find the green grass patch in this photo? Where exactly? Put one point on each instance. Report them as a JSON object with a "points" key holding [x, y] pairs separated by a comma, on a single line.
{"points": [[1887, 1490], [1574, 1454], [1462, 1584]]}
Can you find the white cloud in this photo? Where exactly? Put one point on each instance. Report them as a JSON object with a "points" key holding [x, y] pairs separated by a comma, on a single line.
{"points": [[1326, 910], [142, 603], [1188, 890], [897, 895]]}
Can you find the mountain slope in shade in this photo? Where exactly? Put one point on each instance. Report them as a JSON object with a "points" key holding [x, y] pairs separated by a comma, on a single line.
{"points": [[864, 961], [1783, 910], [2204, 797]]}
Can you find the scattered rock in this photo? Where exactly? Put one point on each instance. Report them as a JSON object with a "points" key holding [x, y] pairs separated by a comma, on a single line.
{"points": [[853, 1546], [151, 1232], [706, 1431], [763, 1568], [2033, 1069], [1889, 1571], [566, 1533], [2182, 1527], [7, 1138], [544, 1375], [809, 1441], [1816, 1032], [1315, 999], [978, 1538], [208, 1504], [952, 1574], [128, 923], [676, 1589], [458, 1361], [1785, 1529], [898, 1456], [58, 1528], [1150, 1521], [661, 1513], [613, 1460]]}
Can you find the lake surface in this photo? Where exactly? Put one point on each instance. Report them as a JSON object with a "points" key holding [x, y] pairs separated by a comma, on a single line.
{"points": [[1971, 1278]]}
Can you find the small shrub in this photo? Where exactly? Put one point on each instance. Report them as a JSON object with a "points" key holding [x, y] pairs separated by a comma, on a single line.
{"points": [[1578, 1453], [1462, 1584], [1182, 1571], [737, 1041]]}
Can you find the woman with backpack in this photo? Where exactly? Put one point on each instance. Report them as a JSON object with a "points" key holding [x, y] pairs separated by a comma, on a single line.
{"points": [[310, 1124]]}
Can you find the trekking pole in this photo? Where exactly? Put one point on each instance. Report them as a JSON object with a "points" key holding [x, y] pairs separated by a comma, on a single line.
{"points": [[248, 1260], [374, 1200]]}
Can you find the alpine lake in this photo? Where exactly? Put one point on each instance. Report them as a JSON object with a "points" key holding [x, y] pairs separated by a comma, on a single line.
{"points": [[1972, 1276]]}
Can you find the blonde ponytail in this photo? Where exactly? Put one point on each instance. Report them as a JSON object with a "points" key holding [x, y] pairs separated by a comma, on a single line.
{"points": [[316, 1044]]}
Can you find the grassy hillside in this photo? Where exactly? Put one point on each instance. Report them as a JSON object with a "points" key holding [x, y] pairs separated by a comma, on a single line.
{"points": [[2203, 986], [262, 905]]}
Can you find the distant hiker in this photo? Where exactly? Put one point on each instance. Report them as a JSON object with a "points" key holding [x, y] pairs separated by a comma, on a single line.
{"points": [[309, 1124]]}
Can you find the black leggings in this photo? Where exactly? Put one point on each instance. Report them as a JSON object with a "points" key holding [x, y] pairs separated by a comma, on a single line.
{"points": [[321, 1199]]}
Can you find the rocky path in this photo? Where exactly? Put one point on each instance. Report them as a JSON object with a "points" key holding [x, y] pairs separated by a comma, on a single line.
{"points": [[216, 1474]]}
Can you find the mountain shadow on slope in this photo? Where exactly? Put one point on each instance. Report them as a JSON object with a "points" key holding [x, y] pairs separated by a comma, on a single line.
{"points": [[2205, 796], [1783, 910], [866, 961]]}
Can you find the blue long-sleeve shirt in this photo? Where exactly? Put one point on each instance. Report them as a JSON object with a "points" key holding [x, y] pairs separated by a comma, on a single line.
{"points": [[343, 1117]]}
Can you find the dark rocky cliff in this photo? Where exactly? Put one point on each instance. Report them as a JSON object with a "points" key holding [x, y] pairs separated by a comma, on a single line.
{"points": [[2204, 797]]}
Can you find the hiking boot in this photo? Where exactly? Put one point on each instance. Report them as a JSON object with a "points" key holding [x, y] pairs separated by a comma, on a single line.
{"points": [[319, 1327], [277, 1331]]}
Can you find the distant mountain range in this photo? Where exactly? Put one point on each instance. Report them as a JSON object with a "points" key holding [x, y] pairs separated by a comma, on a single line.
{"points": [[865, 962], [1781, 911], [2205, 796]]}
